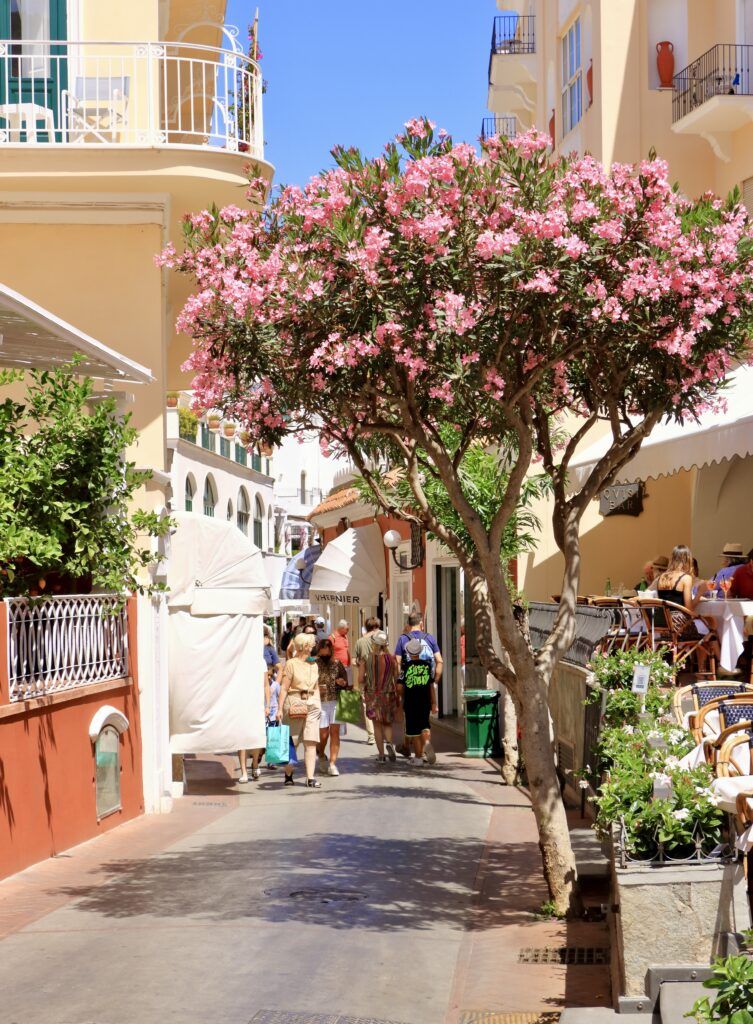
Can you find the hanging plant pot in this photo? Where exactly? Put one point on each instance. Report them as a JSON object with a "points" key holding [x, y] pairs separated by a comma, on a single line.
{"points": [[243, 147], [214, 421], [665, 63], [590, 82], [229, 428], [172, 399]]}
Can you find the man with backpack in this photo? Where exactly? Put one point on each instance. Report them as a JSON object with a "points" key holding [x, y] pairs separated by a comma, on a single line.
{"points": [[431, 655], [417, 693]]}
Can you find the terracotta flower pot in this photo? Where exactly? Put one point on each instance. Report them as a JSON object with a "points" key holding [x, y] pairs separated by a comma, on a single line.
{"points": [[229, 429], [172, 400], [266, 450], [552, 128], [665, 63], [590, 82], [213, 422]]}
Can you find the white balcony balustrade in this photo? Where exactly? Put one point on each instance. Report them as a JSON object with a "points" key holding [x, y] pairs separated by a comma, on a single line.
{"points": [[61, 643], [58, 93]]}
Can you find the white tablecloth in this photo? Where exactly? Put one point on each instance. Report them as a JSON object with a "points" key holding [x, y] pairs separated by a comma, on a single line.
{"points": [[730, 617]]}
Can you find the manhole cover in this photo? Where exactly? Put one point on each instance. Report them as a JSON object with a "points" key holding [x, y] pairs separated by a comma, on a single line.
{"points": [[315, 894], [492, 1017], [583, 956]]}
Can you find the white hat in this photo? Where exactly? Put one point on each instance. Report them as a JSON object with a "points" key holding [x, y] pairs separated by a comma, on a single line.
{"points": [[380, 638], [318, 621]]}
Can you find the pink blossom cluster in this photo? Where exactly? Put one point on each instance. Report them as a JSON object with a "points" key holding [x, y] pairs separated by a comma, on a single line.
{"points": [[442, 277]]}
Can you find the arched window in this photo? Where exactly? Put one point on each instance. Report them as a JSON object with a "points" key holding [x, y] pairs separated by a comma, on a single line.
{"points": [[258, 522], [189, 493], [303, 487], [210, 497], [244, 510], [270, 529], [229, 510]]}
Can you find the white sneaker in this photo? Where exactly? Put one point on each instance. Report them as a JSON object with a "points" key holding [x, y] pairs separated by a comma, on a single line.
{"points": [[429, 754], [370, 740], [381, 759], [243, 778], [256, 773], [391, 752], [333, 770], [415, 762]]}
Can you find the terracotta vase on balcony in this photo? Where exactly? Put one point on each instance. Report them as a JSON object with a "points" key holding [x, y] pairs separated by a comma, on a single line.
{"points": [[590, 82], [244, 437], [213, 421], [551, 129], [229, 429], [172, 399], [266, 450], [665, 63]]}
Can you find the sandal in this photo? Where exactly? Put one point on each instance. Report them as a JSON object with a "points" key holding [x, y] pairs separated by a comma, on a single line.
{"points": [[313, 784]]}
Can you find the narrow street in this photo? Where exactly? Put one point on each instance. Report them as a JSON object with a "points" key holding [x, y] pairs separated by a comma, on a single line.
{"points": [[389, 895]]}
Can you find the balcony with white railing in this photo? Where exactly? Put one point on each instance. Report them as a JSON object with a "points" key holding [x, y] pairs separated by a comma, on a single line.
{"points": [[129, 94], [713, 96], [62, 643]]}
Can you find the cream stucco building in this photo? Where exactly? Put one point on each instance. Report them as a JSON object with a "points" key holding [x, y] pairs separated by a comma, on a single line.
{"points": [[589, 72], [115, 120]]}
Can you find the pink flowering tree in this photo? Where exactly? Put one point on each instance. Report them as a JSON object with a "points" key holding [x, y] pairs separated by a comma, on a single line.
{"points": [[417, 307]]}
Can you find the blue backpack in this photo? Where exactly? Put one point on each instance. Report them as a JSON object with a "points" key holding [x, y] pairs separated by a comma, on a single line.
{"points": [[427, 654]]}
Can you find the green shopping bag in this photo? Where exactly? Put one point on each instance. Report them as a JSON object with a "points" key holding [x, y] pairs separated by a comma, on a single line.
{"points": [[349, 707]]}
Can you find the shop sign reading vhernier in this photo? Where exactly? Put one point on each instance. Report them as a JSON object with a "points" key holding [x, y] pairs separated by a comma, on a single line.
{"points": [[320, 595]]}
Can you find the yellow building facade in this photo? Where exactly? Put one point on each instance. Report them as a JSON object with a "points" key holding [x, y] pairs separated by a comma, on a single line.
{"points": [[618, 78]]}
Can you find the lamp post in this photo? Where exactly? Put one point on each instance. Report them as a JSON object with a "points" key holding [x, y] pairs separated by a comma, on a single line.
{"points": [[392, 540]]}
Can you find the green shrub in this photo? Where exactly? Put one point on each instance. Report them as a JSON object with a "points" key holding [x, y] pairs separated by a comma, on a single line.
{"points": [[732, 979], [188, 424]]}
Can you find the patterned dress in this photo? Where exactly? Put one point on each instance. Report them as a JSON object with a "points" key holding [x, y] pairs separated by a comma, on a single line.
{"points": [[380, 686]]}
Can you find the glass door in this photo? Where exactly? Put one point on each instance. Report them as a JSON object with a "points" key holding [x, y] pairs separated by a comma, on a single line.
{"points": [[33, 69]]}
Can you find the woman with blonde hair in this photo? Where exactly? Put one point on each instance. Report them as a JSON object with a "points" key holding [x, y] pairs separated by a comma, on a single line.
{"points": [[300, 706], [677, 584]]}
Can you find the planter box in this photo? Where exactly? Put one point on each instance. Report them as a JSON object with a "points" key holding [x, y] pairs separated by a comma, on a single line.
{"points": [[668, 915]]}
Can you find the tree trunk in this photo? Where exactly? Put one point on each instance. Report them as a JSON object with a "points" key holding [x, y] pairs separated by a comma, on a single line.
{"points": [[554, 837], [510, 753]]}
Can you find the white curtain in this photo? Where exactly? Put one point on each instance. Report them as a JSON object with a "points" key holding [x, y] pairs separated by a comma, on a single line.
{"points": [[34, 17]]}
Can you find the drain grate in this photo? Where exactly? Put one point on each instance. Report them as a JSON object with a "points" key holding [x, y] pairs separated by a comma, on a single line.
{"points": [[583, 956], [281, 1017], [492, 1017], [326, 895]]}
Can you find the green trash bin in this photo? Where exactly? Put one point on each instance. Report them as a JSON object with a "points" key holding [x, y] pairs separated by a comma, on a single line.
{"points": [[482, 723]]}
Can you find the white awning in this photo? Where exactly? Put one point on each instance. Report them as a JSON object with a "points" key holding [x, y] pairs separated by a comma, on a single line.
{"points": [[674, 446], [351, 569], [33, 337]]}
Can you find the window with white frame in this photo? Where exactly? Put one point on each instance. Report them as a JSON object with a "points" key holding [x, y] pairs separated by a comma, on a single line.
{"points": [[572, 78]]}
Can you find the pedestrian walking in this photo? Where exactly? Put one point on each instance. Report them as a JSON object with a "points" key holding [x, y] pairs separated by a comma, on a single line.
{"points": [[414, 630], [332, 679], [321, 628], [300, 706], [418, 695], [274, 703], [308, 630], [287, 638], [363, 650], [257, 752], [341, 643], [378, 682], [271, 656]]}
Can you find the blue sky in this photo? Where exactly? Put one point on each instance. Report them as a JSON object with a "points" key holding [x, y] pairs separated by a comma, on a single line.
{"points": [[343, 71]]}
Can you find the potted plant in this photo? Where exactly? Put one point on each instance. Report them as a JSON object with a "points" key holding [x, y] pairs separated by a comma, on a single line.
{"points": [[229, 428], [266, 450], [188, 424], [244, 437], [213, 421], [172, 399]]}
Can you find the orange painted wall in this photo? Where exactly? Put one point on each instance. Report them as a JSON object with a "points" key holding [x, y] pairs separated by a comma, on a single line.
{"points": [[47, 792]]}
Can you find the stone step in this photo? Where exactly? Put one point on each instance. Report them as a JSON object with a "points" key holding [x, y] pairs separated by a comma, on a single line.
{"points": [[676, 999], [589, 856]]}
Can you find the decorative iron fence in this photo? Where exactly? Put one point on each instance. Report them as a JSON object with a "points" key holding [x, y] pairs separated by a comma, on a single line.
{"points": [[130, 94], [60, 643], [514, 33], [591, 626], [724, 70], [657, 856], [491, 126]]}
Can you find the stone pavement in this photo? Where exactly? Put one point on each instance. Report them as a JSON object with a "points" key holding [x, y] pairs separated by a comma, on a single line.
{"points": [[392, 895]]}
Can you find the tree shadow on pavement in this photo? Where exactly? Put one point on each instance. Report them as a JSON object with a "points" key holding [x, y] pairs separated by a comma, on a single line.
{"points": [[337, 880]]}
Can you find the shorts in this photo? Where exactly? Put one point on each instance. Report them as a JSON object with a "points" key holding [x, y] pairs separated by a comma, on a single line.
{"points": [[329, 712]]}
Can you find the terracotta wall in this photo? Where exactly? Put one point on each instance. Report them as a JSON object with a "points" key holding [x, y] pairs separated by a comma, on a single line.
{"points": [[47, 772]]}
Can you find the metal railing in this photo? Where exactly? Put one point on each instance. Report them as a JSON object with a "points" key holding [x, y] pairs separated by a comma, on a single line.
{"points": [[724, 70], [130, 94], [506, 125], [591, 626], [514, 33], [60, 643]]}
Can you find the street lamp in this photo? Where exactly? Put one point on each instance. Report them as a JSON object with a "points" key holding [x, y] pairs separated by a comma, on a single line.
{"points": [[392, 540]]}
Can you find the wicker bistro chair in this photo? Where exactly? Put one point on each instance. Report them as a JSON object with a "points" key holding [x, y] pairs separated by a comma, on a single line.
{"points": [[734, 776], [731, 716], [627, 628], [688, 700], [666, 625]]}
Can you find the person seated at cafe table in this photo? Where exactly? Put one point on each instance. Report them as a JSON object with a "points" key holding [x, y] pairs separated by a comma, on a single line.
{"points": [[677, 584], [733, 558], [742, 581], [650, 571]]}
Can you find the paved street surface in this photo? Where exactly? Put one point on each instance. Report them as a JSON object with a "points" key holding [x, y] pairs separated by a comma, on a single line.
{"points": [[392, 894]]}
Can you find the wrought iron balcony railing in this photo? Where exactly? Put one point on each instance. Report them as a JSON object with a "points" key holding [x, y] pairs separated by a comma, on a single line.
{"points": [[64, 642], [514, 33], [62, 93], [506, 125], [724, 70]]}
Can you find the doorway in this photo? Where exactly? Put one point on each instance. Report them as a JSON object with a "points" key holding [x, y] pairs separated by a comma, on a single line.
{"points": [[35, 70], [447, 601]]}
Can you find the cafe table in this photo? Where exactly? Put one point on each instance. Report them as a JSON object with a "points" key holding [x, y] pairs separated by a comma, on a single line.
{"points": [[730, 618]]}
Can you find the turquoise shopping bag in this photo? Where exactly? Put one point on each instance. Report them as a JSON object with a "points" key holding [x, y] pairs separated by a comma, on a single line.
{"points": [[278, 744]]}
